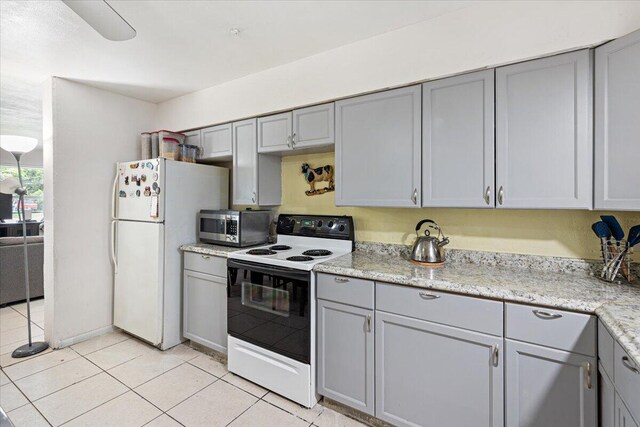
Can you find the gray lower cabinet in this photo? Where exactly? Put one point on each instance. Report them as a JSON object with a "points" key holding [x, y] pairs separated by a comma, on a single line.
{"points": [[205, 309], [458, 141], [256, 177], [217, 142], [623, 417], [617, 109], [606, 414], [548, 387], [544, 146], [428, 374], [378, 146], [346, 354]]}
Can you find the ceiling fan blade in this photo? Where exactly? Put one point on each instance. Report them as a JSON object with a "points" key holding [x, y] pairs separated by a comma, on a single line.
{"points": [[103, 18]]}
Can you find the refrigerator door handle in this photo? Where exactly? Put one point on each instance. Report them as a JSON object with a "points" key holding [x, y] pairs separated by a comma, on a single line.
{"points": [[113, 246], [113, 195]]}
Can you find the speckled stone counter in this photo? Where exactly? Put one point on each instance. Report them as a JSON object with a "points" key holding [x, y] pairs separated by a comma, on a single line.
{"points": [[617, 305], [207, 249]]}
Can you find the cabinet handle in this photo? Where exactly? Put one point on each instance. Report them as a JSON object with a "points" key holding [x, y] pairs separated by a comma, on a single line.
{"points": [[487, 195], [253, 198], [414, 196], [340, 279], [427, 296], [495, 354], [293, 140], [501, 195], [546, 314], [205, 256], [587, 369], [289, 141], [628, 364], [368, 323]]}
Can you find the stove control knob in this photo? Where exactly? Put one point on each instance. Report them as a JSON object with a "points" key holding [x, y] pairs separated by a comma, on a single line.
{"points": [[330, 225], [341, 228], [319, 223]]}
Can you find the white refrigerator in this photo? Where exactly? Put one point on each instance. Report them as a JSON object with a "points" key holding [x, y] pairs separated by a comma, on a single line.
{"points": [[154, 211]]}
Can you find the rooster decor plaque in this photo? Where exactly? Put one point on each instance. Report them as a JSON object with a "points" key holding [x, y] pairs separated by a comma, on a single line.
{"points": [[315, 175]]}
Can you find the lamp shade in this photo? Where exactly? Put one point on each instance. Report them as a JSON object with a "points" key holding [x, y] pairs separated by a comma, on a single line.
{"points": [[17, 144], [9, 185]]}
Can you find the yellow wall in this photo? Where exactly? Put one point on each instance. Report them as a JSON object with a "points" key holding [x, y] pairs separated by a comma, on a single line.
{"points": [[563, 233]]}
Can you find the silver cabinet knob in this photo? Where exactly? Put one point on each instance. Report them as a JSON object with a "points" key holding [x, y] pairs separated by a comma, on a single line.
{"points": [[501, 195], [368, 323], [427, 296], [546, 314], [289, 141], [414, 196], [253, 198], [627, 364], [588, 374], [293, 140], [487, 195], [340, 279], [495, 356]]}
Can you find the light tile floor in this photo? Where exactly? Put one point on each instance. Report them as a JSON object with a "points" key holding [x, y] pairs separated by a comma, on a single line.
{"points": [[116, 380]]}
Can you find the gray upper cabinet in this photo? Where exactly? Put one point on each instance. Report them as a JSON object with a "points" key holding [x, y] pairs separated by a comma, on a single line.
{"points": [[544, 146], [549, 387], [256, 177], [274, 133], [314, 126], [378, 149], [617, 124], [458, 141], [194, 137], [346, 354], [217, 142], [437, 375]]}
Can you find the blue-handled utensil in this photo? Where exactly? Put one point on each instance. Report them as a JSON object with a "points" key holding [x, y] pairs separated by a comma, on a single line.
{"points": [[614, 226]]}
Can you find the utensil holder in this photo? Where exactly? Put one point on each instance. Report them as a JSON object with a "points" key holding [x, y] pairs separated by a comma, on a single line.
{"points": [[617, 261]]}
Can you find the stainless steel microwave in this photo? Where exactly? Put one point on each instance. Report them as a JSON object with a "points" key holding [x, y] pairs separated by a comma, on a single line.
{"points": [[234, 228]]}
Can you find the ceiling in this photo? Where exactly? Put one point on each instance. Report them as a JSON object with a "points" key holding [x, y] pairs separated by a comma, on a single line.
{"points": [[180, 47]]}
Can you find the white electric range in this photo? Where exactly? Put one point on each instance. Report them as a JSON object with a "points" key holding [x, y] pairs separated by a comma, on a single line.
{"points": [[271, 308]]}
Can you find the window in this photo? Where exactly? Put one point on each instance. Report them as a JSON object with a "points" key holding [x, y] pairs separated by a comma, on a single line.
{"points": [[33, 180]]}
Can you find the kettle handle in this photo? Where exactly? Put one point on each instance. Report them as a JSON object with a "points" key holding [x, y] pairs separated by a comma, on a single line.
{"points": [[424, 221]]}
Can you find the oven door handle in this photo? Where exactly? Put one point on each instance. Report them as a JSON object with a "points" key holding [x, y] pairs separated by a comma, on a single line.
{"points": [[269, 269]]}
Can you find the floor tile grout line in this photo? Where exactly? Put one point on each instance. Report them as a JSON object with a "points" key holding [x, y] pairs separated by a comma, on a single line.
{"points": [[45, 369], [100, 349], [239, 415], [29, 401], [95, 407], [63, 388]]}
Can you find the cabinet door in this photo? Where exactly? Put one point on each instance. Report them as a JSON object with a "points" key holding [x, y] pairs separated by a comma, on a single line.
{"points": [[345, 355], [607, 400], [217, 142], [314, 126], [194, 137], [623, 416], [617, 127], [436, 375], [378, 144], [205, 310], [274, 133], [458, 141], [245, 163], [547, 387], [544, 147]]}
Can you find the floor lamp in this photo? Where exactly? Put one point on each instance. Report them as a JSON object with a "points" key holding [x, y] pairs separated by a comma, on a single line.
{"points": [[18, 145]]}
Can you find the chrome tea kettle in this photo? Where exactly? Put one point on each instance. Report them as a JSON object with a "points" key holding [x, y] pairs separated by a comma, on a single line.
{"points": [[428, 249]]}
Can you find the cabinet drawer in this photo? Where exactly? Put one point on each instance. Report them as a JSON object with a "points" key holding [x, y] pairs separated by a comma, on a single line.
{"points": [[605, 349], [209, 264], [346, 290], [441, 307], [559, 329], [627, 380]]}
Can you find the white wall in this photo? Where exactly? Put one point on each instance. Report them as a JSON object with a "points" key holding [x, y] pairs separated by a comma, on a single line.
{"points": [[486, 34], [86, 131]]}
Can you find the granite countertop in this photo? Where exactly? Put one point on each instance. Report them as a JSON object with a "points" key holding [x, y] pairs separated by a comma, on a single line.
{"points": [[618, 305], [207, 249]]}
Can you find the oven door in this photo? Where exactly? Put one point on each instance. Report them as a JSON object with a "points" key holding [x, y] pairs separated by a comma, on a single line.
{"points": [[269, 306]]}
